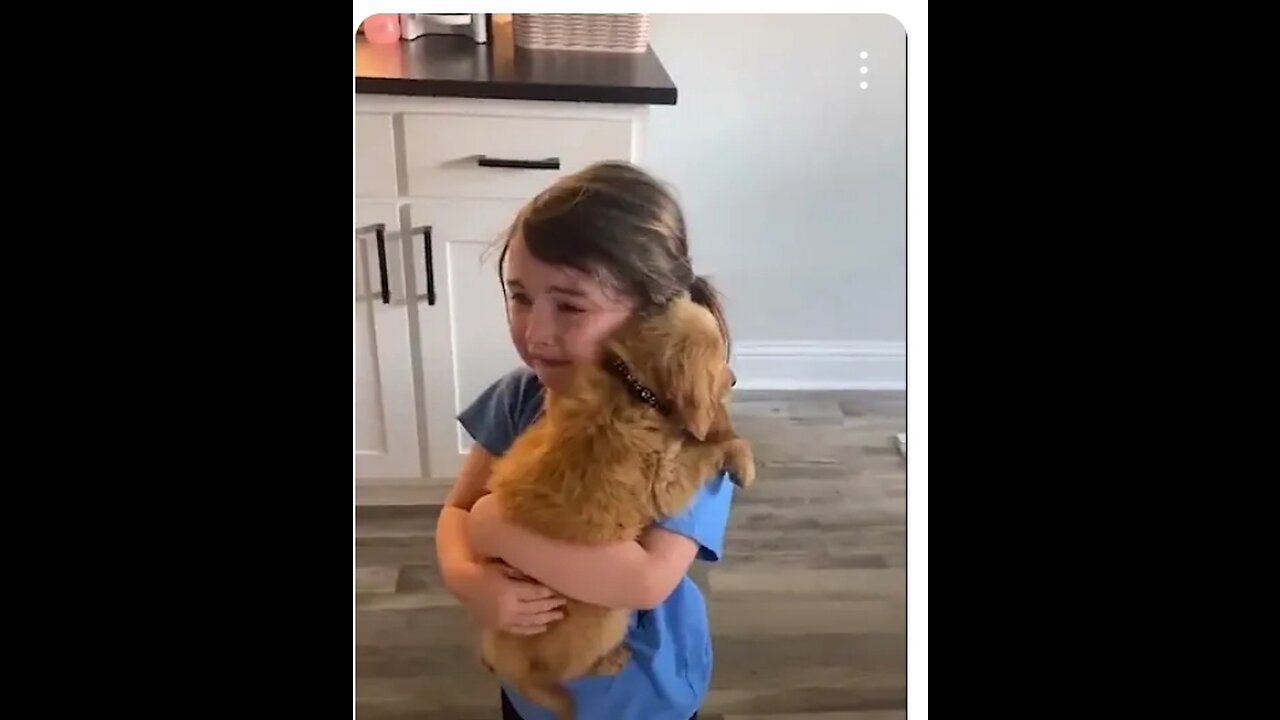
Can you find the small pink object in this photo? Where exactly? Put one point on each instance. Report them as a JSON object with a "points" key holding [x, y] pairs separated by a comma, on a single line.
{"points": [[382, 29]]}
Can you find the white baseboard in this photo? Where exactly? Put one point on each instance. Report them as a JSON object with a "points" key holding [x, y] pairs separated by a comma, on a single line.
{"points": [[404, 491], [820, 365]]}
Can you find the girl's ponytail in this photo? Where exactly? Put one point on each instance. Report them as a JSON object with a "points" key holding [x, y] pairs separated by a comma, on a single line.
{"points": [[704, 293]]}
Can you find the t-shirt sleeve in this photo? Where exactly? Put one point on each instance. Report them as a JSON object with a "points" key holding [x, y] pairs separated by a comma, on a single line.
{"points": [[705, 518], [492, 419]]}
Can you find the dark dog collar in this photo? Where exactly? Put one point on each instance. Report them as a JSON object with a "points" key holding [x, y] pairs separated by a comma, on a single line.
{"points": [[638, 389]]}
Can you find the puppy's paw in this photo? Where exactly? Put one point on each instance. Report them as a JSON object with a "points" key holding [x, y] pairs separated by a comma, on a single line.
{"points": [[741, 462], [613, 661]]}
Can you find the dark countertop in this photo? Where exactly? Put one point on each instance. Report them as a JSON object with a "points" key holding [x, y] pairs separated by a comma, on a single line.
{"points": [[451, 66]]}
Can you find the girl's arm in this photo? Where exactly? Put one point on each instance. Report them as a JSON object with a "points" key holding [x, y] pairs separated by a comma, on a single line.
{"points": [[636, 574], [458, 563]]}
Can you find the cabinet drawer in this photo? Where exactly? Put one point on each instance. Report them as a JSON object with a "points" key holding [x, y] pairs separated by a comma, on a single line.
{"points": [[375, 156], [442, 152]]}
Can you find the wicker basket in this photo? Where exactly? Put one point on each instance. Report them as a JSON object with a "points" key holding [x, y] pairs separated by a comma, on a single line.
{"points": [[599, 32]]}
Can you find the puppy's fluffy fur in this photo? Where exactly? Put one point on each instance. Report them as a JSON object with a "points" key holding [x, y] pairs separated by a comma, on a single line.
{"points": [[600, 465]]}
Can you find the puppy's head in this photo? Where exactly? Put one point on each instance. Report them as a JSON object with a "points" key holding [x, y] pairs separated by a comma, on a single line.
{"points": [[680, 353]]}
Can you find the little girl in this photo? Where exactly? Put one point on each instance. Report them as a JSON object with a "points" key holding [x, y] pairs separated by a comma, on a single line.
{"points": [[579, 259]]}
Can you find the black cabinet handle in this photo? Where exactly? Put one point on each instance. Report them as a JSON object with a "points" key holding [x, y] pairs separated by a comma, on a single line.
{"points": [[382, 263], [431, 275], [380, 232], [548, 164]]}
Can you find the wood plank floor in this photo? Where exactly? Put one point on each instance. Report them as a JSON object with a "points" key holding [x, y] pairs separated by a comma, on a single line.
{"points": [[807, 608]]}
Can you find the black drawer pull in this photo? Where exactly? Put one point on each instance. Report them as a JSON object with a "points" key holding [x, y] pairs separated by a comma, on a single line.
{"points": [[380, 231], [382, 265], [548, 164], [431, 275]]}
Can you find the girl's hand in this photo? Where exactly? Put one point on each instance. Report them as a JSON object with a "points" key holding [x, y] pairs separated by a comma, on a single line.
{"points": [[513, 573], [498, 601]]}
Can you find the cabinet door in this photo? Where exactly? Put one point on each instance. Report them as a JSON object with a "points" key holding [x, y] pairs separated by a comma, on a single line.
{"points": [[386, 424], [466, 345]]}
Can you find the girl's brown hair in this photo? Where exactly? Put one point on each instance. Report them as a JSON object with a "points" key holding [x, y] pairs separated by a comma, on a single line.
{"points": [[622, 224]]}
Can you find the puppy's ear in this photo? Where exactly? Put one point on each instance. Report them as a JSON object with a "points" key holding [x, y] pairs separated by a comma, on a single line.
{"points": [[721, 429], [697, 417], [694, 384]]}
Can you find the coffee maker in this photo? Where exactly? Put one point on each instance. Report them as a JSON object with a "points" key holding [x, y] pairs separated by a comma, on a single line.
{"points": [[472, 25]]}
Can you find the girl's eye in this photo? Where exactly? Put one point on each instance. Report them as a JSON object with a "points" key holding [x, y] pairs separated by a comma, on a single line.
{"points": [[570, 309], [520, 298]]}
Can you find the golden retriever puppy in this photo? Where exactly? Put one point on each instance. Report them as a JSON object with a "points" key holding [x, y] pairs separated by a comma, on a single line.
{"points": [[629, 443]]}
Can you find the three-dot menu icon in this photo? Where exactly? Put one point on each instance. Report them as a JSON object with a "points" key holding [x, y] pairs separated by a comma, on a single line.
{"points": [[864, 69]]}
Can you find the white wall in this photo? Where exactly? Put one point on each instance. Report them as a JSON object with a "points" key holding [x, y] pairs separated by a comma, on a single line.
{"points": [[794, 184]]}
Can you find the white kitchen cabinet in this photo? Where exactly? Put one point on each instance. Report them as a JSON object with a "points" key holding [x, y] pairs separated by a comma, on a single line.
{"points": [[386, 434], [450, 174], [465, 341]]}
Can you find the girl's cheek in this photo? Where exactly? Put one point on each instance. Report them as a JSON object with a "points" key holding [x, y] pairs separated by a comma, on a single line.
{"points": [[587, 344], [518, 315], [578, 346], [518, 324]]}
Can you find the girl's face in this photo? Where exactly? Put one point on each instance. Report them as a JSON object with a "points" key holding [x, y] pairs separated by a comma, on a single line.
{"points": [[559, 315]]}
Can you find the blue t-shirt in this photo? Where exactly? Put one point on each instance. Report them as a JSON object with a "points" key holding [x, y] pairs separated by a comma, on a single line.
{"points": [[670, 668]]}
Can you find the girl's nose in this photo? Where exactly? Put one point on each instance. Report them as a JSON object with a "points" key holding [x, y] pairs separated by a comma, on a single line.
{"points": [[539, 331]]}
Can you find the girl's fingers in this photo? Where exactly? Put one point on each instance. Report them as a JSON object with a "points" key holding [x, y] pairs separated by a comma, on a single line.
{"points": [[512, 573], [533, 623], [533, 591], [541, 619], [541, 606]]}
